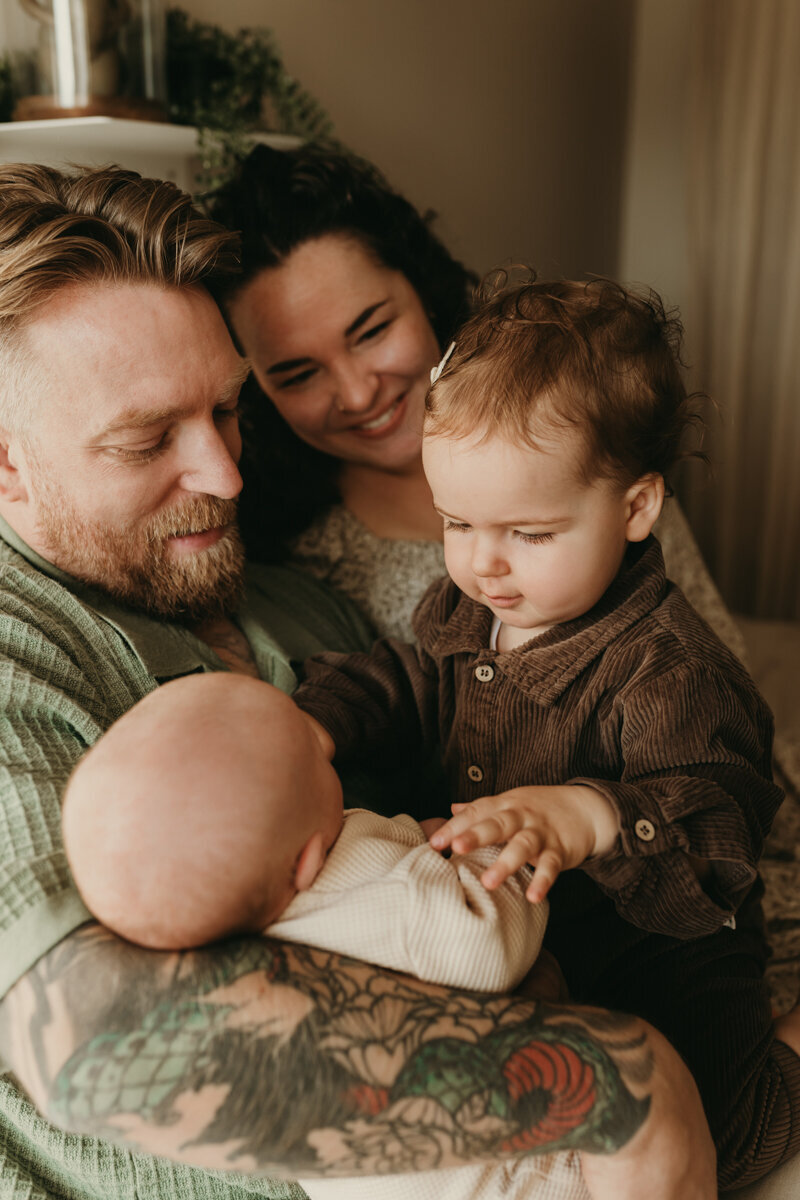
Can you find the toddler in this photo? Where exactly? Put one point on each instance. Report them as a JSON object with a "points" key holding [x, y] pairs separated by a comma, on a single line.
{"points": [[587, 716]]}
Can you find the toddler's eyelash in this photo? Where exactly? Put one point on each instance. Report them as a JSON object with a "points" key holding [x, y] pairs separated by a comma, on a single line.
{"points": [[534, 539], [531, 539]]}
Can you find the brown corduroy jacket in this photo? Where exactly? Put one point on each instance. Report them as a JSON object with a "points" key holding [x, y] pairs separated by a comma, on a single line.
{"points": [[637, 698]]}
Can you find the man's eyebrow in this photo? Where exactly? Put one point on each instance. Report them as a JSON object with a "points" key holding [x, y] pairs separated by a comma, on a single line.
{"points": [[137, 418], [291, 364], [236, 380]]}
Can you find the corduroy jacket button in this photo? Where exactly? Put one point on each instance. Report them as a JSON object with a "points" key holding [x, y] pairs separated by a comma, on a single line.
{"points": [[475, 773], [644, 830], [485, 673]]}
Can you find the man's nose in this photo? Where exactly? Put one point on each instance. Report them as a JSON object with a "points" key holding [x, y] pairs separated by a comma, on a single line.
{"points": [[212, 468]]}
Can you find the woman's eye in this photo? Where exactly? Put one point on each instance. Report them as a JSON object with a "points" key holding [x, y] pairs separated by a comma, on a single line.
{"points": [[374, 330], [533, 539], [295, 380]]}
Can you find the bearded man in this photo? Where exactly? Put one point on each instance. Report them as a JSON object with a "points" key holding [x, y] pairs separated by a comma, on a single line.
{"points": [[200, 1074]]}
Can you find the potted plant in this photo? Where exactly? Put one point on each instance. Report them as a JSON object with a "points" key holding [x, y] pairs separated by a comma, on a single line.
{"points": [[229, 85]]}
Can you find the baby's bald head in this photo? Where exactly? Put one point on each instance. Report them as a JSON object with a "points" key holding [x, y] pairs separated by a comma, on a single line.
{"points": [[190, 818]]}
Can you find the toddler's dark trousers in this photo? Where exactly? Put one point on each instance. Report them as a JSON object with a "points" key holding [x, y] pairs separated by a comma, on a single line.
{"points": [[709, 999]]}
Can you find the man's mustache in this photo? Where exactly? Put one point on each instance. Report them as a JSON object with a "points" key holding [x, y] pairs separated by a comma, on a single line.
{"points": [[192, 516]]}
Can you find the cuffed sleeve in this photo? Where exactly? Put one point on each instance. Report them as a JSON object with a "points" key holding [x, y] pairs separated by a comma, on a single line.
{"points": [[695, 785]]}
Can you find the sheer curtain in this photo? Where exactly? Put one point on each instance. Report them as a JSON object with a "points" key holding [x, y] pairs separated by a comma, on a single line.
{"points": [[744, 306]]}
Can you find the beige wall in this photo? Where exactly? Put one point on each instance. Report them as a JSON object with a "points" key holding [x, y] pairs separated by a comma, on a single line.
{"points": [[653, 234], [506, 116]]}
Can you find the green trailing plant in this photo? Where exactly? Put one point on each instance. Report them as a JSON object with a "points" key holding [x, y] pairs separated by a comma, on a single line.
{"points": [[230, 84], [6, 88], [17, 78]]}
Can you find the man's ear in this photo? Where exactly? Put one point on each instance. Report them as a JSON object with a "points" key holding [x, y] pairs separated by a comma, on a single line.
{"points": [[12, 485], [645, 499], [309, 864]]}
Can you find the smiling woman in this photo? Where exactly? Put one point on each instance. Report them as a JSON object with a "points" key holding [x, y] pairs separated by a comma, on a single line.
{"points": [[344, 305], [342, 346]]}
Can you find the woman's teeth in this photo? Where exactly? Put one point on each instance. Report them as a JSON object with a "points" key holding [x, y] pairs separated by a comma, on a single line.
{"points": [[382, 420]]}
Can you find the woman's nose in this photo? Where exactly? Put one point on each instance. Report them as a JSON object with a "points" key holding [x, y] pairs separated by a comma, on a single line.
{"points": [[356, 388]]}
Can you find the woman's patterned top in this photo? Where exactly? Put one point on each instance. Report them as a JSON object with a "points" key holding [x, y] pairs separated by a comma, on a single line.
{"points": [[384, 577]]}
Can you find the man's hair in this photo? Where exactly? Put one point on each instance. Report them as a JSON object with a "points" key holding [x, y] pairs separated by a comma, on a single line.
{"points": [[93, 225], [594, 356]]}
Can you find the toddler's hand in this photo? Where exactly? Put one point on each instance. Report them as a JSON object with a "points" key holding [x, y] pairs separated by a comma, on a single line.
{"points": [[552, 828]]}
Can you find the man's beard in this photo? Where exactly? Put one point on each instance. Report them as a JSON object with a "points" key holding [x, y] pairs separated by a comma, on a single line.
{"points": [[133, 564]]}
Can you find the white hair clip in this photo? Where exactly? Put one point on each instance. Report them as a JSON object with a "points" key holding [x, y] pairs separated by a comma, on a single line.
{"points": [[436, 371]]}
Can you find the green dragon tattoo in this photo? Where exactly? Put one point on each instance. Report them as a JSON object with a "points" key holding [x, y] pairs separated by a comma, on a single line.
{"points": [[388, 1074]]}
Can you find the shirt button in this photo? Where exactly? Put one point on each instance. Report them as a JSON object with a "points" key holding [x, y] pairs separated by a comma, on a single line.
{"points": [[485, 673], [645, 830], [475, 773]]}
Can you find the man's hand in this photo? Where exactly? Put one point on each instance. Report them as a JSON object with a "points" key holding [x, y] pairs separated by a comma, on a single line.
{"points": [[552, 828]]}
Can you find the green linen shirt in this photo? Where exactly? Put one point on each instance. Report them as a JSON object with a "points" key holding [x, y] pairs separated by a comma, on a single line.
{"points": [[71, 662]]}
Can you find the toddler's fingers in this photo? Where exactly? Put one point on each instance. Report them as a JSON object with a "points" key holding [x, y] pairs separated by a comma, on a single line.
{"points": [[523, 848], [443, 838], [486, 832], [466, 829], [548, 868]]}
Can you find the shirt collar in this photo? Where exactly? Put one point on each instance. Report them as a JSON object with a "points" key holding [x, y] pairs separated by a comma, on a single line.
{"points": [[166, 649], [546, 666]]}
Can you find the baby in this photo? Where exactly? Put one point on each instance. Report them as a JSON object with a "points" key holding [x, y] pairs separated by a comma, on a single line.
{"points": [[209, 809], [587, 716], [200, 813]]}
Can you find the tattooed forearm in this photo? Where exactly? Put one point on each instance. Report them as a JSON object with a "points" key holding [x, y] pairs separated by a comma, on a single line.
{"points": [[271, 1058]]}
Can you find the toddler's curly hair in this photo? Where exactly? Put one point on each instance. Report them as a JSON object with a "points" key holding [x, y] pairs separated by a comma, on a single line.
{"points": [[540, 356]]}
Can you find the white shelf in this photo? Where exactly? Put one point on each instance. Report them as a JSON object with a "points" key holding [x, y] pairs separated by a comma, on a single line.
{"points": [[151, 147]]}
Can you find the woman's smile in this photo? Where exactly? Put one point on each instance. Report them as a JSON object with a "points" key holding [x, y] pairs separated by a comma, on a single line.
{"points": [[385, 423]]}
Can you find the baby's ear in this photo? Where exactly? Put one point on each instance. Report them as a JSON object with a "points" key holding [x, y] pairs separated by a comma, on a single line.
{"points": [[309, 864], [645, 499]]}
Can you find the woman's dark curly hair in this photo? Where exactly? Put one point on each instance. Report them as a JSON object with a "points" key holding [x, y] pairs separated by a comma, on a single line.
{"points": [[277, 200]]}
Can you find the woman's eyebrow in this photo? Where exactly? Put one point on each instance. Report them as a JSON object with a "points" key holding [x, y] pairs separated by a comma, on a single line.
{"points": [[291, 364], [288, 365], [363, 317]]}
